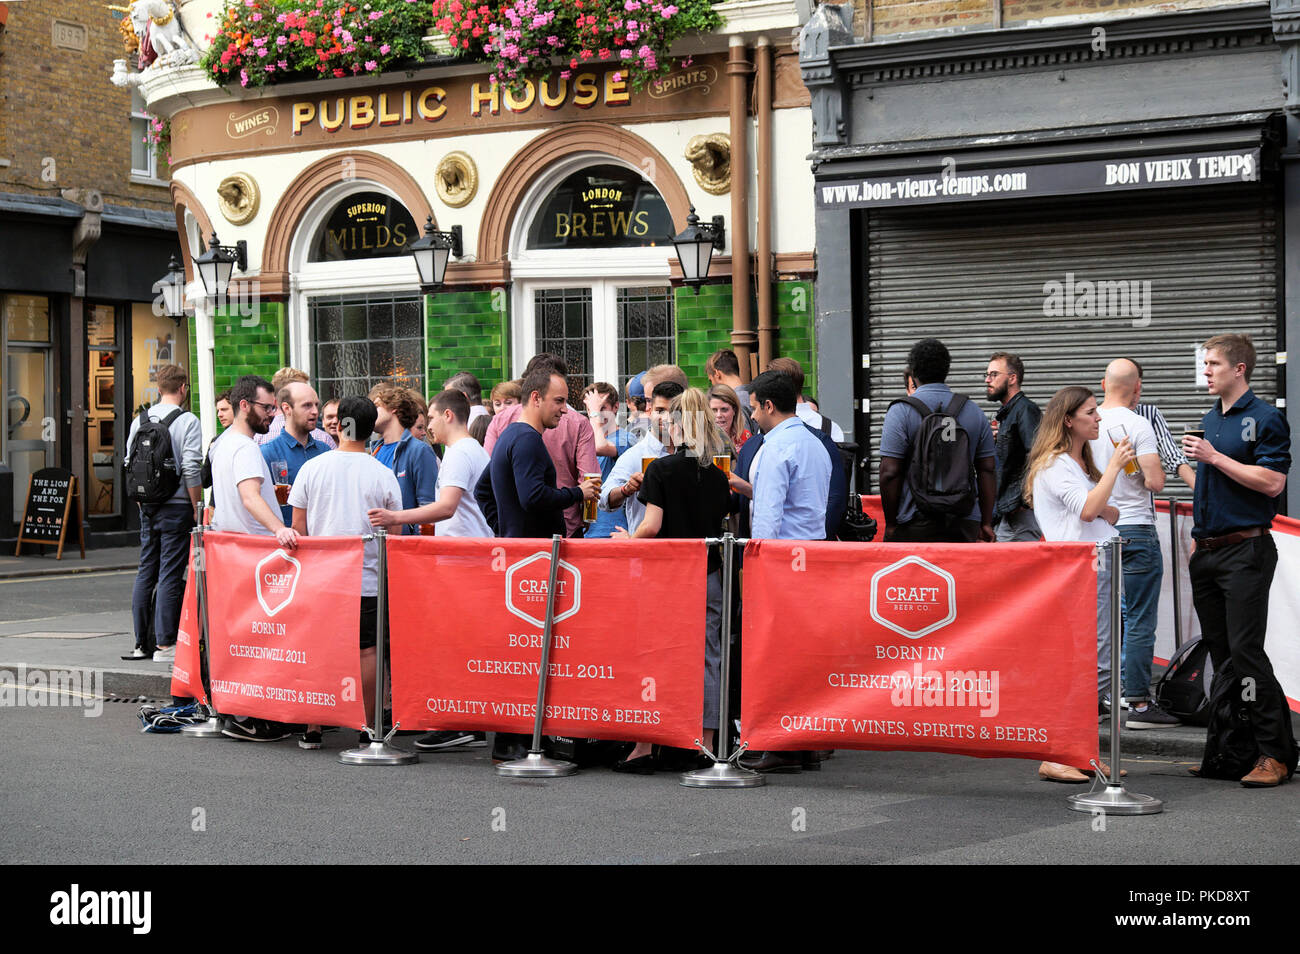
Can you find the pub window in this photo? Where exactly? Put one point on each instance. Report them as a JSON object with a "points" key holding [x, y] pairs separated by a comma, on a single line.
{"points": [[646, 335], [364, 340], [144, 161], [564, 328], [604, 206], [364, 225]]}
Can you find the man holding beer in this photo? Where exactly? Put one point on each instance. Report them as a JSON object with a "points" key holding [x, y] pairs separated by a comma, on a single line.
{"points": [[294, 446], [1142, 563]]}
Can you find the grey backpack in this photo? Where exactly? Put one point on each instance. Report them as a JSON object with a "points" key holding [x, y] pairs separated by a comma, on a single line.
{"points": [[939, 471]]}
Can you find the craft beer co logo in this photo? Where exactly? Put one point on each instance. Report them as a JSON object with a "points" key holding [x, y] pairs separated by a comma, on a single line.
{"points": [[526, 583], [277, 580], [913, 597]]}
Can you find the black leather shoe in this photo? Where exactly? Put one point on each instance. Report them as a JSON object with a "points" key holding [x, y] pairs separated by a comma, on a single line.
{"points": [[774, 762], [809, 762], [644, 765]]}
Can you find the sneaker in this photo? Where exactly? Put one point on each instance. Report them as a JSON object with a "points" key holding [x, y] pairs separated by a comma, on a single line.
{"points": [[164, 654], [437, 741], [1148, 715], [254, 730], [309, 740], [139, 653]]}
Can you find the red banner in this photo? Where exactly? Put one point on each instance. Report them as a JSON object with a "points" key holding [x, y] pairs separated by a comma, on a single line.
{"points": [[285, 628], [627, 657], [187, 679], [975, 649]]}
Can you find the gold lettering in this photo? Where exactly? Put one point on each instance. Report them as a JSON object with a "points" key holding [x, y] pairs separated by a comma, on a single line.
{"points": [[340, 238], [303, 113], [361, 112], [385, 117], [557, 100], [520, 105], [561, 225], [580, 224], [642, 223], [400, 232], [616, 93], [388, 236], [432, 114], [406, 105], [477, 98], [622, 222], [364, 243], [585, 90], [327, 124], [597, 230]]}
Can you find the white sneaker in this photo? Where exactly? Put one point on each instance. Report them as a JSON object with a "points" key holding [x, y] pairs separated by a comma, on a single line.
{"points": [[139, 653], [164, 655]]}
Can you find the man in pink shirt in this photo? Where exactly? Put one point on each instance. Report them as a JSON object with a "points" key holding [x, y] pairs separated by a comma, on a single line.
{"points": [[572, 444]]}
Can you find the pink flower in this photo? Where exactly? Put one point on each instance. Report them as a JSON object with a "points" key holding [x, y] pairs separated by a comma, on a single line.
{"points": [[385, 49], [256, 17], [376, 14], [371, 65]]}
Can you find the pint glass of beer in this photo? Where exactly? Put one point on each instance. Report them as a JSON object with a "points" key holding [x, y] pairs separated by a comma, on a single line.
{"points": [[645, 463], [1117, 435], [280, 474], [589, 506], [723, 463]]}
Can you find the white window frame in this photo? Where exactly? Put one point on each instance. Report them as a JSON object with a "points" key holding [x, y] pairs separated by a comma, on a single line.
{"points": [[603, 270], [150, 173], [394, 274]]}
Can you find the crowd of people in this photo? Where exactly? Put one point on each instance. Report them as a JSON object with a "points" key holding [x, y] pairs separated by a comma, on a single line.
{"points": [[660, 458]]}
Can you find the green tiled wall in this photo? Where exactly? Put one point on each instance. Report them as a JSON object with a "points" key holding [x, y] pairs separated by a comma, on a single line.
{"points": [[196, 396], [704, 326], [248, 344], [468, 331]]}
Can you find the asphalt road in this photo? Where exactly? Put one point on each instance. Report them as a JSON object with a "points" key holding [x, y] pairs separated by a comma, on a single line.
{"points": [[95, 790]]}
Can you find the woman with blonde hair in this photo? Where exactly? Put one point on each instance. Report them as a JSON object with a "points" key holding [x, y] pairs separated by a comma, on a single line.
{"points": [[727, 413], [687, 497], [1070, 498]]}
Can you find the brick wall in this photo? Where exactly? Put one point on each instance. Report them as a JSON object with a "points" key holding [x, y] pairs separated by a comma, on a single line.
{"points": [[892, 17], [466, 331], [704, 326], [62, 123]]}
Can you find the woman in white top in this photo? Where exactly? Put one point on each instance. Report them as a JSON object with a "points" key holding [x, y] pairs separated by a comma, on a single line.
{"points": [[1071, 501]]}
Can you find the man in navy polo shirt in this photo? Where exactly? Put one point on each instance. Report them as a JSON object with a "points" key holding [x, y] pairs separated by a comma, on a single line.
{"points": [[294, 445], [1245, 453]]}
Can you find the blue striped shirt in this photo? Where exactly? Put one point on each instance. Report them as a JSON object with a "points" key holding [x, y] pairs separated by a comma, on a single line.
{"points": [[791, 475]]}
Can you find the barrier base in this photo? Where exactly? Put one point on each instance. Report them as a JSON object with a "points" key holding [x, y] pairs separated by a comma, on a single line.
{"points": [[204, 730], [377, 753], [536, 765], [1113, 800], [723, 775]]}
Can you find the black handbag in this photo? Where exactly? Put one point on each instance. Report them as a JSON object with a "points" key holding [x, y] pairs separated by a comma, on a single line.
{"points": [[857, 526]]}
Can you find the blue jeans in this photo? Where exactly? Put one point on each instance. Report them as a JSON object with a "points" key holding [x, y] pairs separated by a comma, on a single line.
{"points": [[164, 553], [1143, 572]]}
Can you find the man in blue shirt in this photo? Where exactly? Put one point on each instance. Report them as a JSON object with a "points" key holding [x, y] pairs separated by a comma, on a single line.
{"points": [[928, 363], [412, 461], [791, 473], [1244, 448], [294, 445]]}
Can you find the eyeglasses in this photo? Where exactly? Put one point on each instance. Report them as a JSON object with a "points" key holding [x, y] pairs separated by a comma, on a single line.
{"points": [[270, 408], [989, 375]]}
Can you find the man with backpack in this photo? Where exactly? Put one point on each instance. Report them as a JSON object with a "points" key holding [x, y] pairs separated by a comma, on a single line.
{"points": [[163, 475], [938, 466]]}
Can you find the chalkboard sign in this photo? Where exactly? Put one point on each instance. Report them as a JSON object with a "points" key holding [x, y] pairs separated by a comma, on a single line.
{"points": [[53, 508]]}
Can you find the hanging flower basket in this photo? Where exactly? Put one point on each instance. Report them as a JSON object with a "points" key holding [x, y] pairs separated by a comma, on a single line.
{"points": [[524, 40]]}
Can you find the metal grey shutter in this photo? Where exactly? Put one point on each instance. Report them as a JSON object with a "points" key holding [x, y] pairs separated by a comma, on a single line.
{"points": [[976, 278]]}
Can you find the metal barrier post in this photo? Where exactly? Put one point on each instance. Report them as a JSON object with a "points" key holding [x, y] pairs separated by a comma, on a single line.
{"points": [[379, 752], [1114, 800], [211, 729], [535, 764], [725, 772], [1174, 566]]}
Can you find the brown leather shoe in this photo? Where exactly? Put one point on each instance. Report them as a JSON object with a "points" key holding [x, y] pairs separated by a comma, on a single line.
{"points": [[1056, 772], [1266, 774], [1195, 770]]}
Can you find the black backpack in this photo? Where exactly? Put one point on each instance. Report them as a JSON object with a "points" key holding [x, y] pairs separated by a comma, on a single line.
{"points": [[1183, 689], [154, 474], [939, 471], [1231, 748]]}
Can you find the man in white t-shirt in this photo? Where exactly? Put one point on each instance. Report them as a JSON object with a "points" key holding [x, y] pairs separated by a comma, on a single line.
{"points": [[243, 497], [1142, 563], [330, 498], [455, 513]]}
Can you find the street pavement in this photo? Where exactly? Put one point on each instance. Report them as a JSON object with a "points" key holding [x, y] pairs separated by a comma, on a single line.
{"points": [[84, 790]]}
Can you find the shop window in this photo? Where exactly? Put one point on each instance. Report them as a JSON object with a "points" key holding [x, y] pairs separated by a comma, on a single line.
{"points": [[364, 225], [646, 335], [604, 206], [564, 328], [144, 161], [361, 341], [102, 351], [27, 439]]}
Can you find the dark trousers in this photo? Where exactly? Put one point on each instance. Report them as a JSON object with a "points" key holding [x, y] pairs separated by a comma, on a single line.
{"points": [[1230, 591], [927, 530], [164, 553]]}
